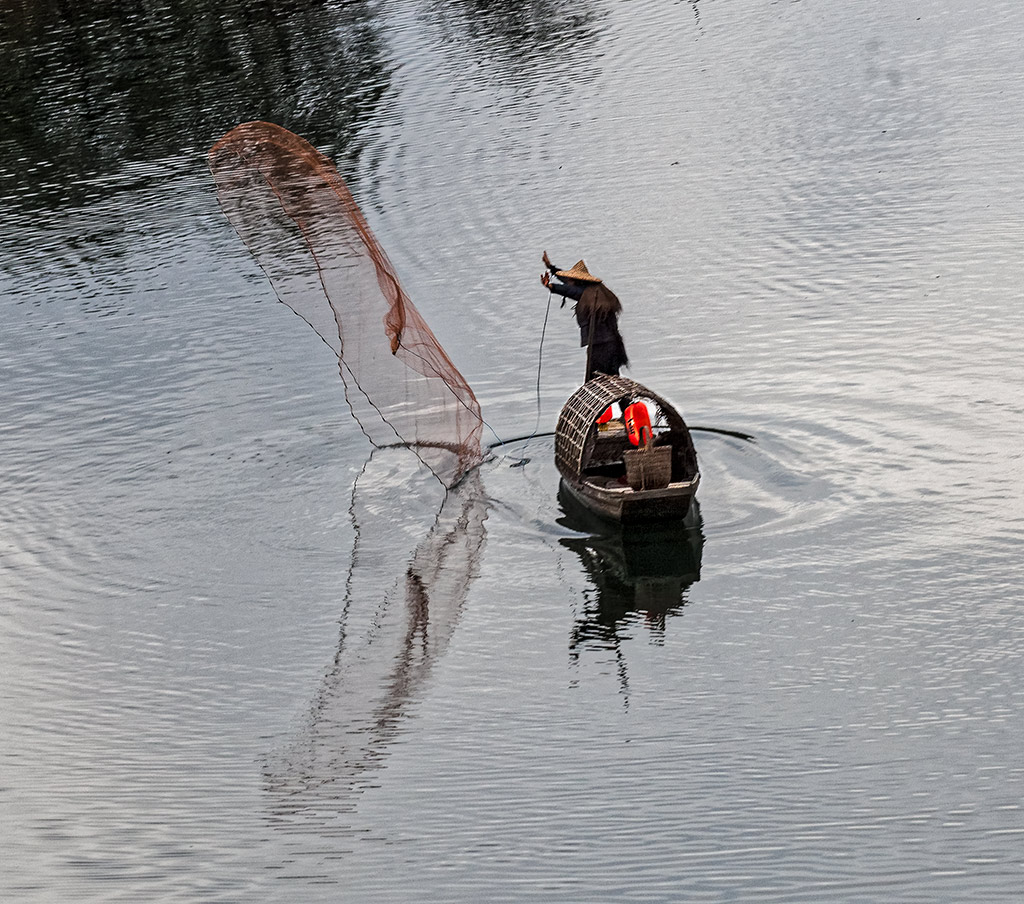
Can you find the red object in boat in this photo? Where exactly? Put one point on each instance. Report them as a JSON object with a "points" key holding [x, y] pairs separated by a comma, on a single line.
{"points": [[607, 416], [638, 423]]}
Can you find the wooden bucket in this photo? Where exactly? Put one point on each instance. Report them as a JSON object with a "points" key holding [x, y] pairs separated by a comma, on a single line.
{"points": [[650, 468]]}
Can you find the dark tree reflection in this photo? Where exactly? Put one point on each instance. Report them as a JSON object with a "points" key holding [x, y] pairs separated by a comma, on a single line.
{"points": [[87, 87], [538, 48], [517, 32]]}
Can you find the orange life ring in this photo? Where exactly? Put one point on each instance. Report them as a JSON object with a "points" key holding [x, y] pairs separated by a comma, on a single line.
{"points": [[638, 423]]}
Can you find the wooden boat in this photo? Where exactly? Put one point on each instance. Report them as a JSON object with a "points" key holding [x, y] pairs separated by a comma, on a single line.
{"points": [[605, 473]]}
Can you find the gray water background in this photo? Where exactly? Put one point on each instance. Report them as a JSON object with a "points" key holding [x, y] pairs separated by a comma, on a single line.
{"points": [[813, 216]]}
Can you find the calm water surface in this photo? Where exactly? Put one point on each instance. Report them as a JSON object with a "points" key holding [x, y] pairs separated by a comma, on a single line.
{"points": [[242, 660]]}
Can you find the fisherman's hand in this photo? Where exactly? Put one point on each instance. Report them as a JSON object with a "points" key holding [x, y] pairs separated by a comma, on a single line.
{"points": [[545, 279], [547, 260]]}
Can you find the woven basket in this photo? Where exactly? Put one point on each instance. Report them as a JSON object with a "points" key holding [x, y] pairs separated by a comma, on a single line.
{"points": [[649, 469]]}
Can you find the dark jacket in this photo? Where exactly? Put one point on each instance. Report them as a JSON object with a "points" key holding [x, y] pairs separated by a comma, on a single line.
{"points": [[597, 310]]}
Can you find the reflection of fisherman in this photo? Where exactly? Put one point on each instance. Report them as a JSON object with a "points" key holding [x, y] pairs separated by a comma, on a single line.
{"points": [[597, 310]]}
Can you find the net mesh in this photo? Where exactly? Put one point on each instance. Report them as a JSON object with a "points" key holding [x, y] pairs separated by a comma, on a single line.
{"points": [[295, 213]]}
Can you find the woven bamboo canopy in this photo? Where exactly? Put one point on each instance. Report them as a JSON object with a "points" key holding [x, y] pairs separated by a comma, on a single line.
{"points": [[577, 430]]}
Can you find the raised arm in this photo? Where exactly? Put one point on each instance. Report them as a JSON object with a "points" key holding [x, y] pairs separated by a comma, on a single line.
{"points": [[566, 290]]}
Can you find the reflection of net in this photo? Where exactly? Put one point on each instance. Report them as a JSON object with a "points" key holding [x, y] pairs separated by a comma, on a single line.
{"points": [[402, 607], [298, 218]]}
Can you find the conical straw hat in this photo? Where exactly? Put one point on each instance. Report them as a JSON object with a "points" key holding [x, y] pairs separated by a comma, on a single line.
{"points": [[579, 271]]}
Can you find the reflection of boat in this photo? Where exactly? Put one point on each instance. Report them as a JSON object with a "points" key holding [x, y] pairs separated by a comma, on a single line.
{"points": [[642, 568], [601, 469]]}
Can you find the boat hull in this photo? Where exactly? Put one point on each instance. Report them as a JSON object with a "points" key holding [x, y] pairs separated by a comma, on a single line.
{"points": [[628, 506]]}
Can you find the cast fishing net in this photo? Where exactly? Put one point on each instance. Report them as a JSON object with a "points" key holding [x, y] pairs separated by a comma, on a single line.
{"points": [[296, 215]]}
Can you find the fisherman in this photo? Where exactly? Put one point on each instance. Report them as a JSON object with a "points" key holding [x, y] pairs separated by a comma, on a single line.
{"points": [[597, 311]]}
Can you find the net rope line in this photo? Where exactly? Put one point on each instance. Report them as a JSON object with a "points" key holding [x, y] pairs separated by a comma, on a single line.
{"points": [[540, 362]]}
